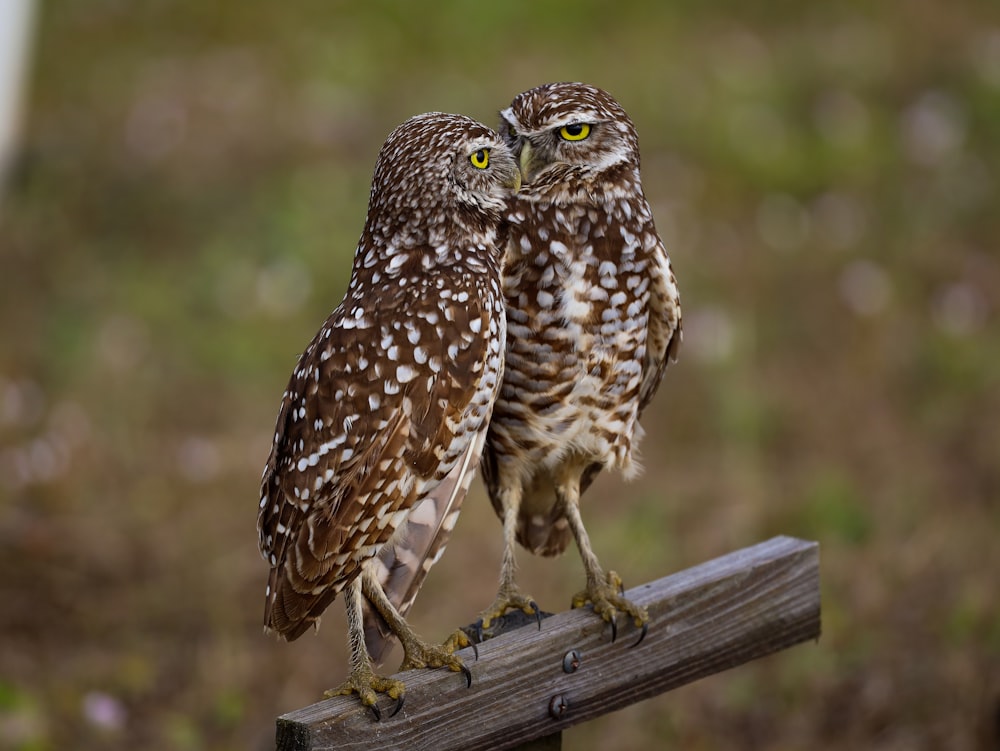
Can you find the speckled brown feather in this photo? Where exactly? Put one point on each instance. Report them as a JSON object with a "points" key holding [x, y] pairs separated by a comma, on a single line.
{"points": [[592, 305], [402, 566], [397, 386]]}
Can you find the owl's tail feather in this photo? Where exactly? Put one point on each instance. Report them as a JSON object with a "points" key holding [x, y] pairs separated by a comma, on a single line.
{"points": [[288, 613], [547, 535]]}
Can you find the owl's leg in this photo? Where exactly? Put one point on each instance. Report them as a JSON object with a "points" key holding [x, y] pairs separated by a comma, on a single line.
{"points": [[603, 591], [509, 596], [363, 681], [416, 652]]}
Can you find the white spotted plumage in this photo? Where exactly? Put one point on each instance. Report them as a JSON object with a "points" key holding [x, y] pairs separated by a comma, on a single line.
{"points": [[593, 317], [370, 425]]}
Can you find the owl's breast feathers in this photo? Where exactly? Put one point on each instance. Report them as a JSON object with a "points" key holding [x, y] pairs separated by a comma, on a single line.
{"points": [[381, 406], [592, 310]]}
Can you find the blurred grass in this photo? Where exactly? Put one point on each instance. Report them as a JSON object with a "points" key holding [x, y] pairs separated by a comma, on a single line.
{"points": [[182, 216]]}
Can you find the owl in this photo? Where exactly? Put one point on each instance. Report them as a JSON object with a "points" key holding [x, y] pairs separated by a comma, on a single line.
{"points": [[593, 318], [384, 418]]}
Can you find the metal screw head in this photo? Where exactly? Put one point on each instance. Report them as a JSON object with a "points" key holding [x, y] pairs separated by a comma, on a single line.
{"points": [[558, 706], [571, 660]]}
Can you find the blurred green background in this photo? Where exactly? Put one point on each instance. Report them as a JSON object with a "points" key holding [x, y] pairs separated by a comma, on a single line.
{"points": [[180, 219]]}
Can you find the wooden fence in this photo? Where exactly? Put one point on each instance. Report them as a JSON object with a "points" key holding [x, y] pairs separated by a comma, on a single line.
{"points": [[530, 683]]}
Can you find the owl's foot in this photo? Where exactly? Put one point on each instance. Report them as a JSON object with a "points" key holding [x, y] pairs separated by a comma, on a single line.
{"points": [[607, 600], [509, 598], [368, 686], [417, 654]]}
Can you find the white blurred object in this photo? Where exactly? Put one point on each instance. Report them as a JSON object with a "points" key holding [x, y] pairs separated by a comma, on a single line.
{"points": [[15, 44]]}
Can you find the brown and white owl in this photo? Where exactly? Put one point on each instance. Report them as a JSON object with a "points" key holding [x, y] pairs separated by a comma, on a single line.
{"points": [[384, 419], [593, 317]]}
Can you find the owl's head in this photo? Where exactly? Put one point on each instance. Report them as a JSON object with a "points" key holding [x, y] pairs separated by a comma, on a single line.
{"points": [[562, 129], [437, 169]]}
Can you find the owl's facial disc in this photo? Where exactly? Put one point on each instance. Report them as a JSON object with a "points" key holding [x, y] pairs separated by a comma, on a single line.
{"points": [[580, 140]]}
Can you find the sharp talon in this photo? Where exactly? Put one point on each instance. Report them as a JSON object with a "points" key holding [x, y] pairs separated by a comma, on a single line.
{"points": [[468, 676], [538, 613], [645, 628], [614, 629], [377, 712], [479, 631], [399, 705], [475, 650]]}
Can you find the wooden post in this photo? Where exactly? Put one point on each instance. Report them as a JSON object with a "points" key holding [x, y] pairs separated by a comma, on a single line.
{"points": [[704, 620]]}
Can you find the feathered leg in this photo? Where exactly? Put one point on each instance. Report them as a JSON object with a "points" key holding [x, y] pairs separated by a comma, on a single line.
{"points": [[363, 681], [509, 596], [603, 591], [416, 652]]}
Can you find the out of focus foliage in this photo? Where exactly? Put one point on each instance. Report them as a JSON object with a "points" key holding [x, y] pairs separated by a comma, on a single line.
{"points": [[181, 218]]}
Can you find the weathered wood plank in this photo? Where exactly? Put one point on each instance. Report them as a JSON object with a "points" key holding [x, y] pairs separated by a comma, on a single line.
{"points": [[706, 619]]}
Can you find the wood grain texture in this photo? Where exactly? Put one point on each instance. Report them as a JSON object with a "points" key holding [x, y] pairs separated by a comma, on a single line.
{"points": [[705, 619]]}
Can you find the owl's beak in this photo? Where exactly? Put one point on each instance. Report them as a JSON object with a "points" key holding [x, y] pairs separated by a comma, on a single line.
{"points": [[524, 161], [515, 181]]}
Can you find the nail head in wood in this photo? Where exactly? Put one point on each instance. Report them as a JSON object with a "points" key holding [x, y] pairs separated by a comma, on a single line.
{"points": [[558, 706], [571, 660]]}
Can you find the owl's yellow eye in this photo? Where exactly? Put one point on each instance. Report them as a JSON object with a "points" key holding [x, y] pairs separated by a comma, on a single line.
{"points": [[574, 131], [480, 159]]}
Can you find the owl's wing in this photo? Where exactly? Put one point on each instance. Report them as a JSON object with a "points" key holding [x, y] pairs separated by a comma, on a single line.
{"points": [[325, 482], [663, 339], [665, 333], [403, 565]]}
